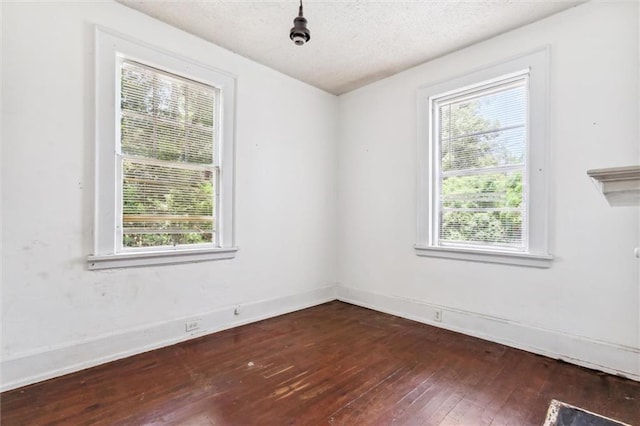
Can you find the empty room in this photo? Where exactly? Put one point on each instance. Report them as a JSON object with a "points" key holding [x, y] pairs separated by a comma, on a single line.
{"points": [[320, 212]]}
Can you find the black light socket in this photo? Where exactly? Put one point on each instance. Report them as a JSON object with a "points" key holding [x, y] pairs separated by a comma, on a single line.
{"points": [[300, 33]]}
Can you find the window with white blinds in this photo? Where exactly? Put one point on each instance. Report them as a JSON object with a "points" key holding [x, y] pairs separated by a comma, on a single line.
{"points": [[167, 158], [481, 143], [482, 164]]}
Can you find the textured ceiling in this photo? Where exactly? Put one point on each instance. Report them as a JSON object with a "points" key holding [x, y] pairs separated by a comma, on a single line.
{"points": [[353, 43]]}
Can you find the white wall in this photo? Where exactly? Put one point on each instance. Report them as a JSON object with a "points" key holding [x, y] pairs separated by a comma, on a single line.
{"points": [[586, 306], [56, 315]]}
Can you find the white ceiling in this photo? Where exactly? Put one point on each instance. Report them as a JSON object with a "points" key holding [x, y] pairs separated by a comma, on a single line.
{"points": [[353, 43]]}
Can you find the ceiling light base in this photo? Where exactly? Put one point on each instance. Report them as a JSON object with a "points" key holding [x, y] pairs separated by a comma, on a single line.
{"points": [[300, 34]]}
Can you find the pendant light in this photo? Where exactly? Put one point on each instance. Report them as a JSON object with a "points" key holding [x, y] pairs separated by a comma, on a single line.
{"points": [[299, 33]]}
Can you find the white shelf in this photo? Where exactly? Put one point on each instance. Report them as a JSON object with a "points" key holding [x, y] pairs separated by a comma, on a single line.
{"points": [[620, 185]]}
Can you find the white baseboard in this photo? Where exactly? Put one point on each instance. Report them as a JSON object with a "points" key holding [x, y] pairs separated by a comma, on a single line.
{"points": [[599, 355], [28, 368]]}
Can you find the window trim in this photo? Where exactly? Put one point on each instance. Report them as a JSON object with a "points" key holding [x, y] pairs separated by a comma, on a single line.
{"points": [[109, 49], [537, 255]]}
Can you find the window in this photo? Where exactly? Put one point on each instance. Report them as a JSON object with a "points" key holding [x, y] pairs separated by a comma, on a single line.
{"points": [[479, 144], [167, 159], [482, 172], [164, 158]]}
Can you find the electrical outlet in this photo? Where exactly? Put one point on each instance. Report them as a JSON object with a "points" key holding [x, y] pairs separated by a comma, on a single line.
{"points": [[191, 326], [438, 315]]}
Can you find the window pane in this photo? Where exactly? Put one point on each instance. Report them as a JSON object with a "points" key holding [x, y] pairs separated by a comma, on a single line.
{"points": [[166, 118], [165, 205], [483, 130], [482, 208]]}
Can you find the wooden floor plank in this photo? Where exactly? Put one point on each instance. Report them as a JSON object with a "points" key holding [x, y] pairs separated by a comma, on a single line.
{"points": [[330, 364]]}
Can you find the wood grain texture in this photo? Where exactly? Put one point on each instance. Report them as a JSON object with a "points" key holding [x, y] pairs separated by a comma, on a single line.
{"points": [[330, 364]]}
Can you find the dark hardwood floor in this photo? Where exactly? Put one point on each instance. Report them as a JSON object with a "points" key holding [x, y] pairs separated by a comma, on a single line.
{"points": [[331, 364]]}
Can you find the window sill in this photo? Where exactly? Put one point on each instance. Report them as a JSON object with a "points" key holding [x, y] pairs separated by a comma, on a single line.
{"points": [[486, 256], [164, 257]]}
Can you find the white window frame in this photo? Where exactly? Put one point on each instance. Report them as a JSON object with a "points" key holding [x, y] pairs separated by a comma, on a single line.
{"points": [[108, 251], [536, 66]]}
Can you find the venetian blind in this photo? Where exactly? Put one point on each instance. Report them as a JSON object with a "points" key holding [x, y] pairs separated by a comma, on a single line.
{"points": [[482, 140], [167, 154]]}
